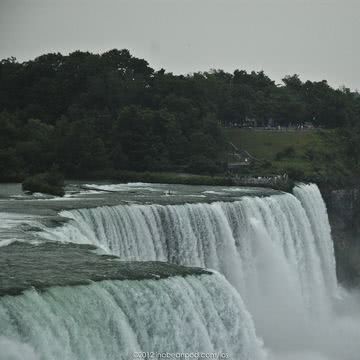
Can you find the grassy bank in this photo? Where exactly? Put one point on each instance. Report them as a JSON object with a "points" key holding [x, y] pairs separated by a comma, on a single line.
{"points": [[304, 155], [265, 144], [312, 156]]}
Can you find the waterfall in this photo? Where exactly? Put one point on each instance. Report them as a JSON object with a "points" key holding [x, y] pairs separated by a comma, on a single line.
{"points": [[311, 199], [282, 238], [116, 319], [275, 250]]}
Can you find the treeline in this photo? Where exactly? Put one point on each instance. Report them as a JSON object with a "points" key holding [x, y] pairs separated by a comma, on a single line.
{"points": [[92, 114]]}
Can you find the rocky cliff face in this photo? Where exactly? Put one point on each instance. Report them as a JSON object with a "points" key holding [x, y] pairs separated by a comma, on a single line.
{"points": [[344, 215]]}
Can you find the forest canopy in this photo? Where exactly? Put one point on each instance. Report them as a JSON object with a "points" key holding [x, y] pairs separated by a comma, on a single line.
{"points": [[89, 113]]}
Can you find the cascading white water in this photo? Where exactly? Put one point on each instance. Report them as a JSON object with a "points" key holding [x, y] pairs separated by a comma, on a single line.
{"points": [[311, 199], [276, 250], [229, 237], [115, 319]]}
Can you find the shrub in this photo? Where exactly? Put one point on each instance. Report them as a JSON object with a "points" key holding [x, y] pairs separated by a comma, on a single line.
{"points": [[295, 173], [288, 152], [51, 182]]}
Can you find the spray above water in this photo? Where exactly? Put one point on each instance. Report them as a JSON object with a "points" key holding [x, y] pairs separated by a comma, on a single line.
{"points": [[15, 350]]}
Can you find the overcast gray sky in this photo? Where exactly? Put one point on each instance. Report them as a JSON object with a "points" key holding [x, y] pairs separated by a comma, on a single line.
{"points": [[318, 39]]}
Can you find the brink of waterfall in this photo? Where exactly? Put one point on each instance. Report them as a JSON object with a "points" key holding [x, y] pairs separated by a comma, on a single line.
{"points": [[249, 274]]}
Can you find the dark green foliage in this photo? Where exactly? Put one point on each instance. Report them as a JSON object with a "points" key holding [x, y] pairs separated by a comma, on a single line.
{"points": [[287, 153], [51, 183], [104, 113], [295, 173], [203, 165]]}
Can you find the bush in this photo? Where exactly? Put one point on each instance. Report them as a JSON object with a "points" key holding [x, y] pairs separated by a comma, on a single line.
{"points": [[51, 182], [288, 152], [295, 173]]}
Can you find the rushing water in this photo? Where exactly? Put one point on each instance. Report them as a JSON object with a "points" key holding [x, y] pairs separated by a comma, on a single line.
{"points": [[276, 251], [115, 319], [247, 240]]}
